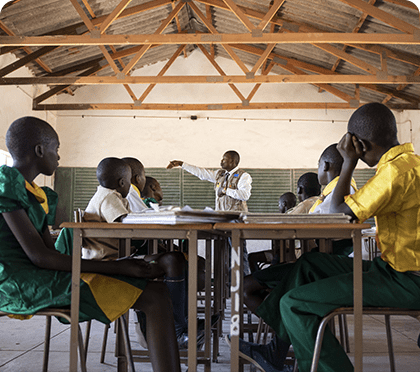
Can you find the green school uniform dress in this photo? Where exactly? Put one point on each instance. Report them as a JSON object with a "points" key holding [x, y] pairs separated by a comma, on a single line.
{"points": [[26, 288]]}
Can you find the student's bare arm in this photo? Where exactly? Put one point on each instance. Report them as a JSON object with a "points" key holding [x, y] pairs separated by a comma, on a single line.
{"points": [[44, 257], [350, 149], [46, 237]]}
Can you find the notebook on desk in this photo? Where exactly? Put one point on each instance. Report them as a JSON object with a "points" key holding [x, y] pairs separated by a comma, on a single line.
{"points": [[294, 218], [175, 217]]}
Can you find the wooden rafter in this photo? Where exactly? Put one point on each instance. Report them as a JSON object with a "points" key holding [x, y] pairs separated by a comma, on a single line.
{"points": [[25, 60], [270, 14], [114, 15], [162, 72], [265, 38], [220, 71], [263, 58], [241, 16], [107, 22], [60, 88], [146, 47], [296, 67], [88, 8], [207, 107], [381, 15], [209, 79], [378, 49], [178, 24], [342, 55], [213, 31], [266, 71], [377, 79], [356, 29], [91, 27], [26, 49], [301, 27], [210, 20]]}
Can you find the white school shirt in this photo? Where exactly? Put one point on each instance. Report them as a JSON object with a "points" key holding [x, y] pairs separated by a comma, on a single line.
{"points": [[135, 202], [324, 207], [243, 192]]}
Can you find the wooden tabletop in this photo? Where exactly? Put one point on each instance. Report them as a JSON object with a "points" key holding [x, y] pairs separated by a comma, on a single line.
{"points": [[138, 226]]}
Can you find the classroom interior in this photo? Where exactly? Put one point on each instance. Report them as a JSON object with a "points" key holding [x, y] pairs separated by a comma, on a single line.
{"points": [[283, 131]]}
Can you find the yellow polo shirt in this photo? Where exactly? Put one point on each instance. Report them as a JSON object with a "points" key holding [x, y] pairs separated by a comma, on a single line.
{"points": [[393, 196]]}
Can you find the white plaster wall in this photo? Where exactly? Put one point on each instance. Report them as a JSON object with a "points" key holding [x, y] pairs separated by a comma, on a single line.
{"points": [[16, 102], [265, 138]]}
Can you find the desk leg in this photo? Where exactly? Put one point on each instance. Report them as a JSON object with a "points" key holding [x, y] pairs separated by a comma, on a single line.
{"points": [[122, 363], [358, 301], [218, 292], [207, 308], [192, 301], [75, 298], [236, 291]]}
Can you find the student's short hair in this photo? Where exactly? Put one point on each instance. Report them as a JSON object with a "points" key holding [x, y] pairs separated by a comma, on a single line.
{"points": [[288, 196], [374, 122], [27, 132], [309, 182], [110, 170], [234, 155], [332, 156], [150, 181], [135, 165]]}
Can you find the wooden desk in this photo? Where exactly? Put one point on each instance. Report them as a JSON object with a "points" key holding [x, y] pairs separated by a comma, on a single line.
{"points": [[126, 232], [324, 232]]}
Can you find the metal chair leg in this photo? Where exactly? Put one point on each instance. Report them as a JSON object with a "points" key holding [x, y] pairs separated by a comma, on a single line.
{"points": [[47, 343], [389, 342], [344, 332], [87, 336], [82, 351], [124, 328], [319, 338], [104, 342]]}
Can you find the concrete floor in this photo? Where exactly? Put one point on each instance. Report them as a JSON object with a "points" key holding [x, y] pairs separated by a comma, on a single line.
{"points": [[21, 346]]}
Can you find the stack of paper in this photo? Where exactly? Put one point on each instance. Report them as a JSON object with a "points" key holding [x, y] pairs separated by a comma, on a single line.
{"points": [[294, 218], [179, 216]]}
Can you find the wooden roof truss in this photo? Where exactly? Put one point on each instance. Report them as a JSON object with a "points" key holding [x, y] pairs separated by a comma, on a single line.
{"points": [[271, 30]]}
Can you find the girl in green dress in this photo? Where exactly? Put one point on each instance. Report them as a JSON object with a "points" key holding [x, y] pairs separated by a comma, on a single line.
{"points": [[34, 275]]}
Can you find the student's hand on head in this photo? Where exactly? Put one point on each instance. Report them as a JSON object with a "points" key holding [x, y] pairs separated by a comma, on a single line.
{"points": [[350, 148], [174, 163]]}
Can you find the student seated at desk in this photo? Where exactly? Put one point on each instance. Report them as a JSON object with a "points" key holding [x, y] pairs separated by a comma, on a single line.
{"points": [[308, 190], [287, 201], [152, 192], [257, 284], [318, 283], [138, 182], [144, 190], [110, 205], [329, 168], [34, 275], [260, 258]]}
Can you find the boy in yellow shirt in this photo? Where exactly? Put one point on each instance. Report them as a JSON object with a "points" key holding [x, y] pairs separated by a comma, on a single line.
{"points": [[329, 168], [319, 283]]}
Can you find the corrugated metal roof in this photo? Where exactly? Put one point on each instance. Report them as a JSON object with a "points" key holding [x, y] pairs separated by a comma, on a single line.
{"points": [[41, 17]]}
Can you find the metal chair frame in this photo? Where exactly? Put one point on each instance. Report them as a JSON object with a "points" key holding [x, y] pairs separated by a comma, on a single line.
{"points": [[63, 313], [387, 312]]}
